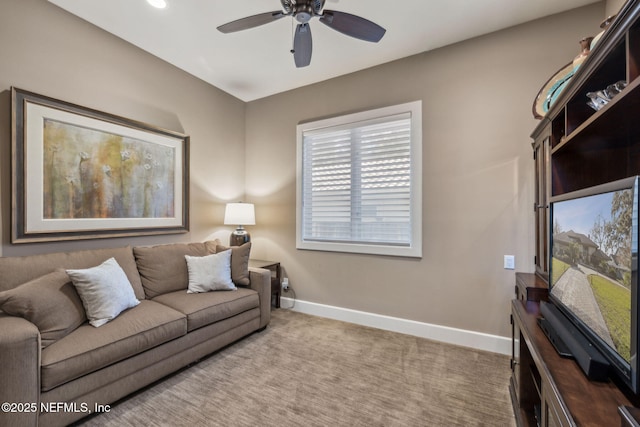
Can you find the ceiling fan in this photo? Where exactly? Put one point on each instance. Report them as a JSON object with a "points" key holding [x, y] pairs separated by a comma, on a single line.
{"points": [[303, 11]]}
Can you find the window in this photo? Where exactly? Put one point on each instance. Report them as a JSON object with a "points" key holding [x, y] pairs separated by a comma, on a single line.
{"points": [[359, 182]]}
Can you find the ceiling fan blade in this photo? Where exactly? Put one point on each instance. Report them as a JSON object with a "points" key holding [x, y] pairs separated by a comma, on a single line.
{"points": [[302, 45], [352, 25], [251, 21]]}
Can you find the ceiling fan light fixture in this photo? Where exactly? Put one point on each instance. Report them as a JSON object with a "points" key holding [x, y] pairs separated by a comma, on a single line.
{"points": [[303, 17], [159, 4]]}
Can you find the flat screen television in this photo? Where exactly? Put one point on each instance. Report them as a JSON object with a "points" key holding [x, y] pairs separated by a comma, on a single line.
{"points": [[593, 276]]}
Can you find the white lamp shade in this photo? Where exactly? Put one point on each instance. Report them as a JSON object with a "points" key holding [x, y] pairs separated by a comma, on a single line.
{"points": [[160, 4], [239, 214]]}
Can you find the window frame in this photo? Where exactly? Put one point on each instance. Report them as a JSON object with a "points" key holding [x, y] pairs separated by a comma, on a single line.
{"points": [[414, 249]]}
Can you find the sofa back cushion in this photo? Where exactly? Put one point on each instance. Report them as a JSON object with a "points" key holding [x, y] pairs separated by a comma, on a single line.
{"points": [[50, 302], [239, 263], [163, 268], [15, 271]]}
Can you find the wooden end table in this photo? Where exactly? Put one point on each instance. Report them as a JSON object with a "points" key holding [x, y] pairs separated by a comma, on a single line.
{"points": [[274, 266]]}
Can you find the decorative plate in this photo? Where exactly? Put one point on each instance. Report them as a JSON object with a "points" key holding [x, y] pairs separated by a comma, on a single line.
{"points": [[551, 90]]}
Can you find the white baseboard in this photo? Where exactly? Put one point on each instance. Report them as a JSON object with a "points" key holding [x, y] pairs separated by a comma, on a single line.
{"points": [[477, 340]]}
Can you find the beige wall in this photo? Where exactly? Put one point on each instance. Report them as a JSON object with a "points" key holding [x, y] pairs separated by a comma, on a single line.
{"points": [[477, 179], [48, 51], [613, 6], [477, 163]]}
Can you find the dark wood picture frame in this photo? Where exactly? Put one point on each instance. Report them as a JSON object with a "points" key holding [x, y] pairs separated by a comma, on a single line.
{"points": [[79, 173]]}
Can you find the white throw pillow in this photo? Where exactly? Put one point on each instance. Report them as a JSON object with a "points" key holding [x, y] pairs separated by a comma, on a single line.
{"points": [[105, 291], [210, 273]]}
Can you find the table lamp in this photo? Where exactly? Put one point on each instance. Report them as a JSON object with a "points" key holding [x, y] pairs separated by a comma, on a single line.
{"points": [[239, 214]]}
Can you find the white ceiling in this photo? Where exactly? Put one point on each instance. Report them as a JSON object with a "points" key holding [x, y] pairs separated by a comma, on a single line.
{"points": [[256, 63]]}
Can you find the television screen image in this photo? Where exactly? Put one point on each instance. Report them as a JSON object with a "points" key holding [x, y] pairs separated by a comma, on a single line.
{"points": [[593, 263]]}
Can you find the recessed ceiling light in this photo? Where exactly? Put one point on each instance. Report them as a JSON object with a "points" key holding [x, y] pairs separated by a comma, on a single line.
{"points": [[160, 4]]}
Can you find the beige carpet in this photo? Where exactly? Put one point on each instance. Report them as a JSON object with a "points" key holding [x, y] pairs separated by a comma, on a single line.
{"points": [[309, 371]]}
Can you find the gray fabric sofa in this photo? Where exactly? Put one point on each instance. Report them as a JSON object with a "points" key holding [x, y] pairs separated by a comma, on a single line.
{"points": [[169, 329]]}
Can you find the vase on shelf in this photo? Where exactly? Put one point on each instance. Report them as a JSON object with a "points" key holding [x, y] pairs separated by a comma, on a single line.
{"points": [[604, 25], [585, 49]]}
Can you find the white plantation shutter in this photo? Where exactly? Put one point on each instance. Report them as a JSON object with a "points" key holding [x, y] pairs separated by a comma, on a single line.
{"points": [[356, 185]]}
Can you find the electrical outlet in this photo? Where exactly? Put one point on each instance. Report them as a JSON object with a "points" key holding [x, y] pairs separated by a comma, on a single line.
{"points": [[285, 284], [509, 262]]}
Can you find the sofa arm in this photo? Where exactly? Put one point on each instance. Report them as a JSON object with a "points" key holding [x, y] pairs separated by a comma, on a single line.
{"points": [[260, 279], [19, 371]]}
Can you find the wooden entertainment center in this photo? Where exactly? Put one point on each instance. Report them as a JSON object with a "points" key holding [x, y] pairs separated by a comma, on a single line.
{"points": [[576, 147], [548, 390]]}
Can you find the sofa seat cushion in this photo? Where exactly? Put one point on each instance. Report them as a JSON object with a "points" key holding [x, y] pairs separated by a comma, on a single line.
{"points": [[205, 308], [88, 349]]}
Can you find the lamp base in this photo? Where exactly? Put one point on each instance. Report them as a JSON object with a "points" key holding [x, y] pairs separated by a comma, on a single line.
{"points": [[239, 238]]}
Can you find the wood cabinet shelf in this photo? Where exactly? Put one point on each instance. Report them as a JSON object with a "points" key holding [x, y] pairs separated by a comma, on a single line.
{"points": [[576, 147], [589, 147], [531, 287], [611, 70], [604, 147], [554, 384], [537, 380], [596, 132]]}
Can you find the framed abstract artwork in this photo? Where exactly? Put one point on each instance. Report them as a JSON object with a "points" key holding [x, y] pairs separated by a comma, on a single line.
{"points": [[79, 173]]}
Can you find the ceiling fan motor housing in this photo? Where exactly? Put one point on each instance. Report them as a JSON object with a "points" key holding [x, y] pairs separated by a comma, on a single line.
{"points": [[303, 10]]}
